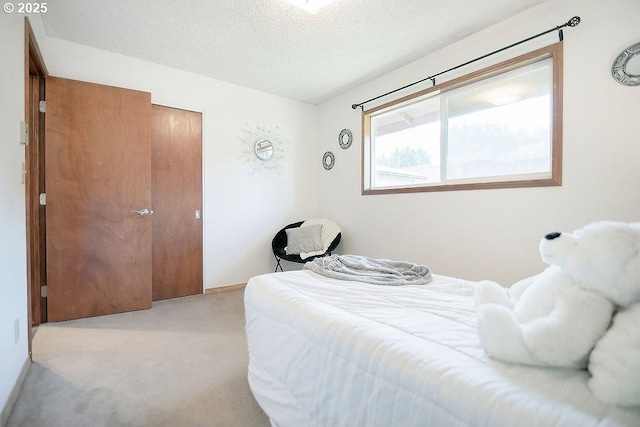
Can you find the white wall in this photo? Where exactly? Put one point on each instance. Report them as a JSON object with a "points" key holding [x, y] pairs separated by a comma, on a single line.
{"points": [[244, 204], [13, 270], [493, 234]]}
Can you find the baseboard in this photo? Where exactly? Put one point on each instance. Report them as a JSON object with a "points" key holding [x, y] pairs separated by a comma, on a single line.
{"points": [[13, 396], [224, 288]]}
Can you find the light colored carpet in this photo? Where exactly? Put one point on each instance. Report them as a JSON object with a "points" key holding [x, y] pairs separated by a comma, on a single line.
{"points": [[181, 363]]}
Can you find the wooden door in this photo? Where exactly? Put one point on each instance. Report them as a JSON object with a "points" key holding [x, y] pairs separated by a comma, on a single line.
{"points": [[97, 172], [176, 141]]}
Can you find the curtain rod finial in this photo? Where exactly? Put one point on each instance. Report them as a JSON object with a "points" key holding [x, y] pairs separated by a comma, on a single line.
{"points": [[574, 21], [354, 106]]}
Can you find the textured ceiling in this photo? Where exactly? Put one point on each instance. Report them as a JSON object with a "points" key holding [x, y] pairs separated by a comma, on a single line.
{"points": [[271, 45]]}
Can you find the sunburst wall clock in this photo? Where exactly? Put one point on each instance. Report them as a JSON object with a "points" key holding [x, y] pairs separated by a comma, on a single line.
{"points": [[262, 147]]}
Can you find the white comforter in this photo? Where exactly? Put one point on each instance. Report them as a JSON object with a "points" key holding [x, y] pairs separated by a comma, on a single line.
{"points": [[325, 352]]}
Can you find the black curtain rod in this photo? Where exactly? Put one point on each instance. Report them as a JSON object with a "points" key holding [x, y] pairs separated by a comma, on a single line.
{"points": [[571, 23]]}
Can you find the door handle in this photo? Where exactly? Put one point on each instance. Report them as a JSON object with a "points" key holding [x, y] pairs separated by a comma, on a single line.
{"points": [[142, 212]]}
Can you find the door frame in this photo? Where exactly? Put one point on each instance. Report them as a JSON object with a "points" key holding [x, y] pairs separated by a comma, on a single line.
{"points": [[34, 65]]}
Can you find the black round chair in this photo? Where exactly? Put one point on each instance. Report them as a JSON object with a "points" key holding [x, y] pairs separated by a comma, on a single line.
{"points": [[279, 242]]}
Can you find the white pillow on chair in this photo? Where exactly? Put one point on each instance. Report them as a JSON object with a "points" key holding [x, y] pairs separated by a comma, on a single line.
{"points": [[303, 239]]}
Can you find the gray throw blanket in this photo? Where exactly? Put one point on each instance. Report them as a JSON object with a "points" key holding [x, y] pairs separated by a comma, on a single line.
{"points": [[369, 270]]}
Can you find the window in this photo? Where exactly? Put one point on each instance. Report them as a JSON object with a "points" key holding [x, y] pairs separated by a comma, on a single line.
{"points": [[495, 128]]}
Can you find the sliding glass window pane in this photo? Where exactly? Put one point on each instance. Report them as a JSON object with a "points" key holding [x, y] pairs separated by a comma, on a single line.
{"points": [[501, 126], [407, 145]]}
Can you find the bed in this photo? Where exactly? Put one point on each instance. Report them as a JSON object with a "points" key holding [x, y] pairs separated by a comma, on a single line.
{"points": [[327, 352]]}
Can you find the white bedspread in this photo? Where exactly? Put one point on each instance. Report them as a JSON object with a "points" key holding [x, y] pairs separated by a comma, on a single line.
{"points": [[325, 352]]}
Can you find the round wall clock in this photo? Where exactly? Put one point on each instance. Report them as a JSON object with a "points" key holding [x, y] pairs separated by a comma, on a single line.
{"points": [[328, 160], [619, 70], [263, 149], [345, 138]]}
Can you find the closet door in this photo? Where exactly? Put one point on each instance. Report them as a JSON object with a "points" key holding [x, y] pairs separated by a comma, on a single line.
{"points": [[176, 141], [98, 185]]}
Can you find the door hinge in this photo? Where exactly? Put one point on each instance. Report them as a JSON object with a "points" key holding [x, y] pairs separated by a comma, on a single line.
{"points": [[43, 199], [42, 106], [44, 291]]}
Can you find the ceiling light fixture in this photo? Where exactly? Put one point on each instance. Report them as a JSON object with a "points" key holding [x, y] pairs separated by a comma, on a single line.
{"points": [[311, 6]]}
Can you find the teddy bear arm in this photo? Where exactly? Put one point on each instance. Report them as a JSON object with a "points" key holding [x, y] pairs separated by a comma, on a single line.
{"points": [[488, 292], [566, 336], [518, 288], [614, 363]]}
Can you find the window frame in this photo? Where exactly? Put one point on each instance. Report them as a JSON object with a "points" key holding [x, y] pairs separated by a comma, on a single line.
{"points": [[553, 51]]}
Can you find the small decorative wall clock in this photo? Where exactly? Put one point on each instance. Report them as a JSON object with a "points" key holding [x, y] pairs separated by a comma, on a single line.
{"points": [[262, 147], [345, 138], [328, 160]]}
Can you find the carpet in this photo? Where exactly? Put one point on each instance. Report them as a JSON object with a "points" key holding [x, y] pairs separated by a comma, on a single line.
{"points": [[181, 363]]}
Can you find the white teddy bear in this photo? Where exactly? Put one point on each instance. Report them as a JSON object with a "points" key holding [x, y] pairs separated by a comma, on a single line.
{"points": [[556, 317]]}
